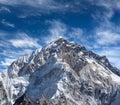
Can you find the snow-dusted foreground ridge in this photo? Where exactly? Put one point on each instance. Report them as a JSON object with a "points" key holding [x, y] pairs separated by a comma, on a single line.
{"points": [[62, 73]]}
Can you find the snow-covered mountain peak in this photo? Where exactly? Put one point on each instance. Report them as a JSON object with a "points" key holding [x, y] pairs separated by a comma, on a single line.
{"points": [[61, 72]]}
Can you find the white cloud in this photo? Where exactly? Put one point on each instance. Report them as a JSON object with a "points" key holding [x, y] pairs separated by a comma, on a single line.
{"points": [[42, 4], [17, 45], [105, 37], [35, 7], [76, 33], [105, 10], [23, 2], [109, 4], [6, 62], [24, 41], [59, 29], [115, 61], [56, 30], [12, 55], [112, 53], [7, 23], [5, 9]]}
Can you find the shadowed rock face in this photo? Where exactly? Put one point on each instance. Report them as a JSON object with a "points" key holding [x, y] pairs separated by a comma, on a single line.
{"points": [[3, 95], [24, 100], [62, 73]]}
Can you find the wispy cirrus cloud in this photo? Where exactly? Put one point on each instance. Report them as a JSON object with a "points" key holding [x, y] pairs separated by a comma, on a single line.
{"points": [[56, 30], [105, 11], [29, 3], [106, 37], [38, 7], [109, 4], [14, 45], [3, 8], [112, 53], [4, 22], [6, 62], [10, 56], [24, 41], [18, 40], [59, 29]]}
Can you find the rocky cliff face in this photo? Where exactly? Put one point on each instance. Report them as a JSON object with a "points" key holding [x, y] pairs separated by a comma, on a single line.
{"points": [[61, 73]]}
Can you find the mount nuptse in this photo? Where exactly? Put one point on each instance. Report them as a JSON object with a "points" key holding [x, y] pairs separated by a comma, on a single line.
{"points": [[61, 73]]}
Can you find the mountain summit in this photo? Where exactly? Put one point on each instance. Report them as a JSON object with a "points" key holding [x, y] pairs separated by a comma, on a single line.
{"points": [[61, 73]]}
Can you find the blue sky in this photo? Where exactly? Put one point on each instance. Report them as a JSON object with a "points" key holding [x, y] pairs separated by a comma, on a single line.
{"points": [[26, 25]]}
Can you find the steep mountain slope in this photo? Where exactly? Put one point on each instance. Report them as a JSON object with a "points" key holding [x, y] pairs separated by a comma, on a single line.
{"points": [[62, 73]]}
